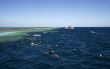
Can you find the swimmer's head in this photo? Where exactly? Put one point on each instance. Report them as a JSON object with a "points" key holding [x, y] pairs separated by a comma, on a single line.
{"points": [[51, 52]]}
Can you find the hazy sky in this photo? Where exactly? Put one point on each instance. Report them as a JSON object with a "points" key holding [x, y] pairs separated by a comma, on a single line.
{"points": [[54, 13]]}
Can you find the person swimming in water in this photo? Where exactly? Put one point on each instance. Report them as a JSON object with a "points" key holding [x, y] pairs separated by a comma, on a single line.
{"points": [[53, 53]]}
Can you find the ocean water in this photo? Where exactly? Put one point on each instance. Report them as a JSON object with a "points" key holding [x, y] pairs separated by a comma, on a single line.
{"points": [[81, 48]]}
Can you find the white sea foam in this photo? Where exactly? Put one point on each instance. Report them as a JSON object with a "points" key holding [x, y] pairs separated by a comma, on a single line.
{"points": [[100, 55], [92, 32], [37, 35], [33, 44], [74, 49], [44, 32], [62, 35]]}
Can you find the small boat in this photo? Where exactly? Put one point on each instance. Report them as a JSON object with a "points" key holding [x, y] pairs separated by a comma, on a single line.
{"points": [[69, 27]]}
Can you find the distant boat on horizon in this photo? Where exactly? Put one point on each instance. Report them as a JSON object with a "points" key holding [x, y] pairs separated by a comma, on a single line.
{"points": [[69, 27]]}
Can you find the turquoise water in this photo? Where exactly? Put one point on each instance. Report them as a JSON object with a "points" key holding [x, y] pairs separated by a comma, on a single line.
{"points": [[82, 48], [6, 33]]}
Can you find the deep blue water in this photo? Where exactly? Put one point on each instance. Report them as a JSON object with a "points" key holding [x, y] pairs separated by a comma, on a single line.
{"points": [[82, 48]]}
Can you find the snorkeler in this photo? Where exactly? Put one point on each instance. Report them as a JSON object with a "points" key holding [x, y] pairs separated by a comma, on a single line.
{"points": [[53, 53]]}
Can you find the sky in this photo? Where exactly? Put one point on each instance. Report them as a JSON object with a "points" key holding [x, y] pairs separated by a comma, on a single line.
{"points": [[54, 13]]}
